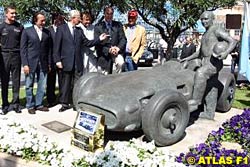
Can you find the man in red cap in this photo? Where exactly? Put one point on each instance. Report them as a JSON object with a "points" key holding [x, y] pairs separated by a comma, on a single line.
{"points": [[136, 41]]}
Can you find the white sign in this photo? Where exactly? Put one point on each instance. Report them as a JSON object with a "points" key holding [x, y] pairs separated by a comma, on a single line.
{"points": [[87, 122]]}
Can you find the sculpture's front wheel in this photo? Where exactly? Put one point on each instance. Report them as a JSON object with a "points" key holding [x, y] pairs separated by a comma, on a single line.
{"points": [[165, 118]]}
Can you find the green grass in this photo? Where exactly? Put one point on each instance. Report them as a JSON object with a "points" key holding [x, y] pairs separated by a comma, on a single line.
{"points": [[22, 96], [241, 100]]}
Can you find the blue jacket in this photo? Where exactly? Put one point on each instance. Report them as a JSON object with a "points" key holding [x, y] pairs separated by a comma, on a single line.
{"points": [[34, 51]]}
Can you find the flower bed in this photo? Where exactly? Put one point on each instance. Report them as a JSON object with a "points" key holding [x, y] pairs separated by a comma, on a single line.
{"points": [[22, 140], [216, 150]]}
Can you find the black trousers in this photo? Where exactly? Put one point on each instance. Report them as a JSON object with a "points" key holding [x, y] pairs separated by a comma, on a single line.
{"points": [[51, 84], [68, 80], [10, 64]]}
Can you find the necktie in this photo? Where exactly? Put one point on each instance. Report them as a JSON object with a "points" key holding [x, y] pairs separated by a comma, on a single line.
{"points": [[109, 28], [73, 31]]}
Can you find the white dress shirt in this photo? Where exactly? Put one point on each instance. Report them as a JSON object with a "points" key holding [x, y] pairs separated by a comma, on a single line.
{"points": [[39, 31], [89, 53], [71, 28]]}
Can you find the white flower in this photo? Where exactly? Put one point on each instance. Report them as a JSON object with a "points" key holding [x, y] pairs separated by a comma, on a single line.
{"points": [[54, 162], [42, 157], [16, 136], [67, 161], [19, 153]]}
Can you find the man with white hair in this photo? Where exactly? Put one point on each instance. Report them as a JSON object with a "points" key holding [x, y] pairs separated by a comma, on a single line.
{"points": [[67, 54], [188, 48]]}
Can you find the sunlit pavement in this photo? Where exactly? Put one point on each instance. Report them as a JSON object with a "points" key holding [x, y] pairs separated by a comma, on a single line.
{"points": [[195, 133]]}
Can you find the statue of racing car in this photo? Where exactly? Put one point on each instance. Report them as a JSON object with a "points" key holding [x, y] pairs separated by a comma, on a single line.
{"points": [[154, 100]]}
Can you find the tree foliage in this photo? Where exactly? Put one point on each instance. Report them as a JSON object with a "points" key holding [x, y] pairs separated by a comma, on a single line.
{"points": [[170, 17], [26, 8]]}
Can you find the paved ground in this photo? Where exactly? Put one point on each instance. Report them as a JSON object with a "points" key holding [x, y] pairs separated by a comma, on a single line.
{"points": [[196, 132]]}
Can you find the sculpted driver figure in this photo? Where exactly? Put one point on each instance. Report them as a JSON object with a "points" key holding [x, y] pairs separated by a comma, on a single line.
{"points": [[211, 62]]}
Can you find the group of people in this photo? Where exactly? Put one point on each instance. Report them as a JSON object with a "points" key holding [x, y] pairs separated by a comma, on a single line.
{"points": [[74, 47], [184, 47], [70, 47]]}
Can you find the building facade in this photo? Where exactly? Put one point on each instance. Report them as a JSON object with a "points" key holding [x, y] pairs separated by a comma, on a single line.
{"points": [[232, 19]]}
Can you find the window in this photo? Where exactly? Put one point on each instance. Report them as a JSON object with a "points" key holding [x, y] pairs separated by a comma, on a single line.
{"points": [[237, 32], [233, 21]]}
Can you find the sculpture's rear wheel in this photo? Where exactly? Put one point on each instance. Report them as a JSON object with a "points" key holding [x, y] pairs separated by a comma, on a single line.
{"points": [[226, 97]]}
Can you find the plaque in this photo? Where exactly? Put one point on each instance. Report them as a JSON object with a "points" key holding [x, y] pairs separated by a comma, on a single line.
{"points": [[80, 145], [88, 131]]}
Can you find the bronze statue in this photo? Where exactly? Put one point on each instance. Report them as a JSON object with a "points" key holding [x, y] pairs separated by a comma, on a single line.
{"points": [[211, 63], [158, 100]]}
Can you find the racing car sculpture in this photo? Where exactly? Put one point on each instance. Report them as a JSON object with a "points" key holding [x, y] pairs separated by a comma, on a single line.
{"points": [[154, 100]]}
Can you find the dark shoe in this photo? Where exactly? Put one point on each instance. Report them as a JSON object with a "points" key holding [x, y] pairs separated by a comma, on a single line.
{"points": [[74, 108], [5, 110], [32, 111], [51, 105], [63, 108], [44, 109], [18, 110]]}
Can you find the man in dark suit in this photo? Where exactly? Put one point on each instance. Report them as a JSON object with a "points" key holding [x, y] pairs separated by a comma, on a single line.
{"points": [[67, 54], [112, 49], [35, 55], [57, 20], [188, 48]]}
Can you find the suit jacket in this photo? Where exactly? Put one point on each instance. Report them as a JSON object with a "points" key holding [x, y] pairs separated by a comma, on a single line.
{"points": [[34, 51], [67, 49], [187, 50], [138, 43], [53, 35], [117, 38]]}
